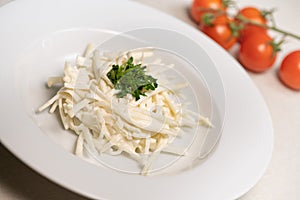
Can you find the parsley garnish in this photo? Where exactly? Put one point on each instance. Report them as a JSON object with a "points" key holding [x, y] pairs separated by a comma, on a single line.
{"points": [[131, 79]]}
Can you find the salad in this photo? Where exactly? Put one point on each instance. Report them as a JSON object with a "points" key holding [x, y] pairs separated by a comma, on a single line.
{"points": [[119, 104]]}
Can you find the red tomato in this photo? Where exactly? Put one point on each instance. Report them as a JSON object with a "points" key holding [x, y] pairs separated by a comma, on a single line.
{"points": [[254, 15], [256, 53], [220, 32], [196, 14], [289, 72]]}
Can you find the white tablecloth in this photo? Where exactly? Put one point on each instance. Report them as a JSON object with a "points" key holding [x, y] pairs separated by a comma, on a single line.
{"points": [[282, 178]]}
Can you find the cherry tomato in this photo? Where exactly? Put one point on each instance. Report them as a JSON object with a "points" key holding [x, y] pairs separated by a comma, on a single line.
{"points": [[289, 72], [257, 53], [254, 15], [220, 32], [197, 5]]}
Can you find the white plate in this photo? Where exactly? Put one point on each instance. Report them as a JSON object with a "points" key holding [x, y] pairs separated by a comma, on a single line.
{"points": [[237, 163]]}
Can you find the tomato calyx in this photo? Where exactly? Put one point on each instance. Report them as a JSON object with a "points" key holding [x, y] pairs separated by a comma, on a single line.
{"points": [[268, 14], [228, 3], [276, 46], [235, 28], [217, 27], [208, 19]]}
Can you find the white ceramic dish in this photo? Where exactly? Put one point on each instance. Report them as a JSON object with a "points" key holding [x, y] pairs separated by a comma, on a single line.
{"points": [[237, 163]]}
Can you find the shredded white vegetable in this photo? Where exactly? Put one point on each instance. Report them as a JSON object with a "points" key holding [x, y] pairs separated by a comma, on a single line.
{"points": [[106, 124]]}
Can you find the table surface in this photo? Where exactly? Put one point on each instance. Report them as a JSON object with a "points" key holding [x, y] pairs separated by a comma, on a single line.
{"points": [[282, 178]]}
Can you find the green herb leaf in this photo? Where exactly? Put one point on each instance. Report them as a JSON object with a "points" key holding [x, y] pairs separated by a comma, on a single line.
{"points": [[131, 79]]}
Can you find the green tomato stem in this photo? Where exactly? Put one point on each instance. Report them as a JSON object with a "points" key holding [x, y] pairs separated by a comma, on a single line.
{"points": [[274, 28], [247, 21]]}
